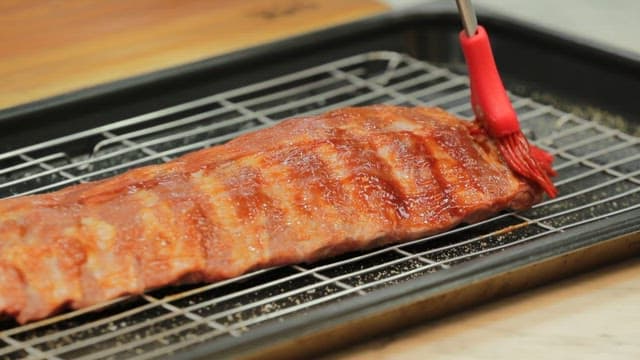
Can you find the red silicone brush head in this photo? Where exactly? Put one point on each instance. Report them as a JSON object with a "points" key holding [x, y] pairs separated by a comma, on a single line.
{"points": [[529, 161], [494, 111]]}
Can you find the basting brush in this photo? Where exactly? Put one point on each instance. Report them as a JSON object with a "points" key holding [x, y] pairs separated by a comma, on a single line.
{"points": [[493, 109]]}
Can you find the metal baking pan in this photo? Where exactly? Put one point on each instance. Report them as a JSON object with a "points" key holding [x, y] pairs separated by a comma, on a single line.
{"points": [[574, 99]]}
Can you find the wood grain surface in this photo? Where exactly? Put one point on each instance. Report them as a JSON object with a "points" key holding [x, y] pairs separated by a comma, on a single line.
{"points": [[51, 47]]}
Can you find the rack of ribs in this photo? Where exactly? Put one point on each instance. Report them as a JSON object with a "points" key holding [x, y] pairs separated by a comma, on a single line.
{"points": [[304, 189]]}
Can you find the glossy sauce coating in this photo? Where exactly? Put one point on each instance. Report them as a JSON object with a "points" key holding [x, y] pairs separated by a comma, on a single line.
{"points": [[304, 189]]}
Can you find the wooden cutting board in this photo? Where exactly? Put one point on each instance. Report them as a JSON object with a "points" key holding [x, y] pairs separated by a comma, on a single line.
{"points": [[52, 47]]}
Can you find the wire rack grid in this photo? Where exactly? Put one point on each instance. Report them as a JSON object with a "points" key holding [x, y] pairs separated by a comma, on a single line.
{"points": [[598, 168]]}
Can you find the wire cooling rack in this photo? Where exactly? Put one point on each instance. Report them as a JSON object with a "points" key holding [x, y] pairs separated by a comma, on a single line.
{"points": [[598, 177]]}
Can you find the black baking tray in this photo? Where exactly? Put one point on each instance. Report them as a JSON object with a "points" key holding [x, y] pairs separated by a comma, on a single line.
{"points": [[569, 72]]}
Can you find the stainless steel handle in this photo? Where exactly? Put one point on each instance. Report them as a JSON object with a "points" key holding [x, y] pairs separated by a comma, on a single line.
{"points": [[468, 16]]}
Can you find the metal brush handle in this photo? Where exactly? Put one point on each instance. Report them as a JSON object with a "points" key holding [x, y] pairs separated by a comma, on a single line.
{"points": [[468, 16]]}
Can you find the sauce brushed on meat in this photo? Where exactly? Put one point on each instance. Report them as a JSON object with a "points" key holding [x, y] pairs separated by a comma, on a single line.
{"points": [[304, 189]]}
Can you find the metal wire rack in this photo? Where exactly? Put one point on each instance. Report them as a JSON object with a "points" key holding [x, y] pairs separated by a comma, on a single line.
{"points": [[598, 167]]}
